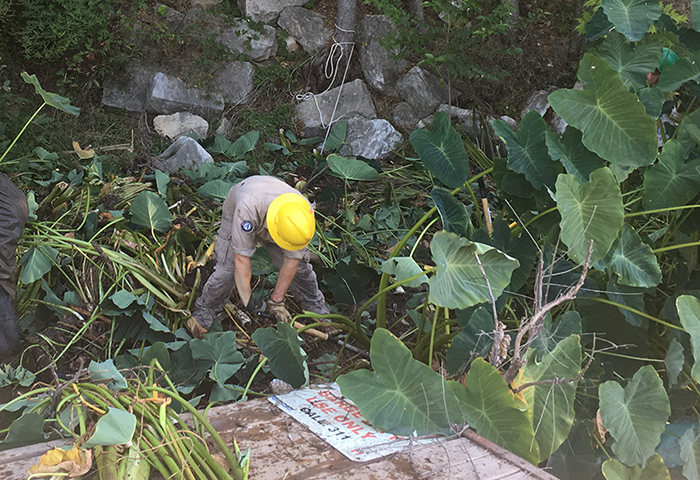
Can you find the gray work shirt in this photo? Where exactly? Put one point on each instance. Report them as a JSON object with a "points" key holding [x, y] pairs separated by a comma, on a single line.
{"points": [[243, 218]]}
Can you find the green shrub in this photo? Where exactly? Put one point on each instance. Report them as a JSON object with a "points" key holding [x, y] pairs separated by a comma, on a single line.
{"points": [[52, 29], [454, 35]]}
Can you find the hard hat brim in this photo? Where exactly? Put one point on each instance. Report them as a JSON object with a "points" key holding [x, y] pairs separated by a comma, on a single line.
{"points": [[272, 211]]}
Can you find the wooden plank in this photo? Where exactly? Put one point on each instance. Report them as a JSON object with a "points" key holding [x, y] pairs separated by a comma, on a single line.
{"points": [[282, 448]]}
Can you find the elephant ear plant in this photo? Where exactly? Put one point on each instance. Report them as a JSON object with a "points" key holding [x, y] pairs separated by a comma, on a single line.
{"points": [[614, 196]]}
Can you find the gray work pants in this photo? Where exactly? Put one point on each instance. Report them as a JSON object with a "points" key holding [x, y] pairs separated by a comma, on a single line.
{"points": [[14, 211], [221, 283]]}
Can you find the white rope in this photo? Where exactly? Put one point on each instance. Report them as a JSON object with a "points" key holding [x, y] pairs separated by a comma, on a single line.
{"points": [[331, 71]]}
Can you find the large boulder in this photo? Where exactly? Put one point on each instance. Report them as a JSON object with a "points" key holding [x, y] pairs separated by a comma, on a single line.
{"points": [[185, 154], [267, 11], [370, 138], [380, 71], [179, 124], [539, 101], [422, 91], [305, 26], [171, 95], [128, 90], [352, 99], [243, 40], [235, 82]]}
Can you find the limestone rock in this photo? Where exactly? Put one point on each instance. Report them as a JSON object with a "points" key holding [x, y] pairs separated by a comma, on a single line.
{"points": [[305, 26], [235, 82], [171, 95], [354, 100], [422, 91], [538, 101], [185, 154], [128, 90], [205, 3], [380, 71], [172, 18], [405, 117], [267, 11], [370, 138], [179, 124], [241, 39]]}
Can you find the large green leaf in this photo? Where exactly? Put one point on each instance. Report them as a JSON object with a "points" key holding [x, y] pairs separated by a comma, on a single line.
{"points": [[106, 372], [593, 211], [689, 132], [283, 348], [674, 361], [632, 64], [151, 211], [632, 18], [671, 182], [218, 352], [56, 101], [689, 313], [570, 151], [598, 26], [403, 268], [635, 415], [695, 14], [336, 137], [458, 281], [522, 248], [555, 332], [491, 409], [690, 453], [116, 427], [527, 150], [655, 469], [26, 430], [684, 70], [614, 122], [632, 260], [629, 297], [474, 340], [352, 169], [551, 406], [215, 189], [244, 144], [402, 395], [454, 216], [442, 151], [653, 100], [37, 262]]}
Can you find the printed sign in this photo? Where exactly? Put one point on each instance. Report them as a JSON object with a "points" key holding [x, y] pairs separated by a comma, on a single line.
{"points": [[335, 419]]}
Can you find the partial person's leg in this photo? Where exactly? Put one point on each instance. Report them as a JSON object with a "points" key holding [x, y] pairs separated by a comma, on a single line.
{"points": [[14, 211], [304, 287], [218, 288]]}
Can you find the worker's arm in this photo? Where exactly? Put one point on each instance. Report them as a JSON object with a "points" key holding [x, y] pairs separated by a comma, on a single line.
{"points": [[284, 279], [242, 274]]}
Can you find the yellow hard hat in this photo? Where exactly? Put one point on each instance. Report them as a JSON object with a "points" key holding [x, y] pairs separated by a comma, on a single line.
{"points": [[290, 221]]}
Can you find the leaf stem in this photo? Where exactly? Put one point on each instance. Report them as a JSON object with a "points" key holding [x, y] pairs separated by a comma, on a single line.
{"points": [[638, 312], [675, 247]]}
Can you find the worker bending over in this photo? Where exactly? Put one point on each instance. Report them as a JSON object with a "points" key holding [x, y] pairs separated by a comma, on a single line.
{"points": [[261, 209]]}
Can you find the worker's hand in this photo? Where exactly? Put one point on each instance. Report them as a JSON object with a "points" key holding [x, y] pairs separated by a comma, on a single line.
{"points": [[278, 311], [255, 306], [195, 328]]}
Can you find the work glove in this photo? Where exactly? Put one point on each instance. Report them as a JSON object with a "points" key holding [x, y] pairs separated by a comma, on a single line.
{"points": [[255, 307], [278, 311], [195, 328]]}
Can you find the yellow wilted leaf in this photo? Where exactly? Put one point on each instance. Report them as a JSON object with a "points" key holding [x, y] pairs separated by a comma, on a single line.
{"points": [[74, 462], [52, 457], [83, 154]]}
